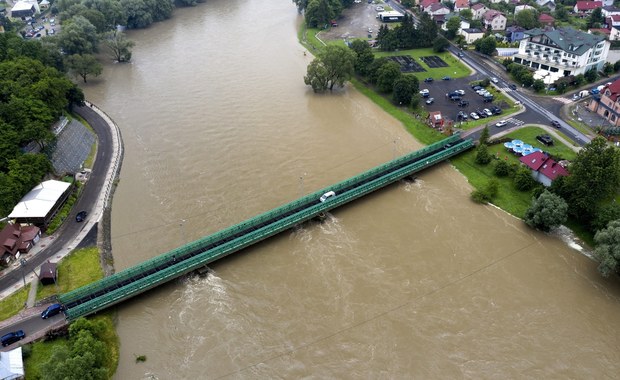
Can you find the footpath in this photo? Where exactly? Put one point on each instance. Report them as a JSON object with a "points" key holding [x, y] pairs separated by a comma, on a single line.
{"points": [[93, 219]]}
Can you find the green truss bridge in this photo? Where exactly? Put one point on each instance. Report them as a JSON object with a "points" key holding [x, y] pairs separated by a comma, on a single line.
{"points": [[130, 282]]}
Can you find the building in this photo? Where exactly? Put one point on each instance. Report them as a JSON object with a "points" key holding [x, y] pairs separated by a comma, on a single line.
{"points": [[544, 169], [41, 204], [562, 52], [12, 365], [610, 11], [478, 10], [435, 120], [48, 274], [460, 5], [546, 20], [550, 4], [24, 9], [494, 20], [464, 23], [471, 34], [16, 239], [584, 8], [608, 104], [520, 8], [437, 9], [427, 3], [515, 33]]}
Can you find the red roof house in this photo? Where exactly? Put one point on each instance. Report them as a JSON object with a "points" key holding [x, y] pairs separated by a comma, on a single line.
{"points": [[426, 3], [545, 19], [460, 5], [435, 119], [544, 169], [15, 238], [587, 6]]}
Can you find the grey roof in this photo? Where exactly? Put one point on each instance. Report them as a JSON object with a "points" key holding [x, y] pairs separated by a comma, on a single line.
{"points": [[565, 38], [472, 30]]}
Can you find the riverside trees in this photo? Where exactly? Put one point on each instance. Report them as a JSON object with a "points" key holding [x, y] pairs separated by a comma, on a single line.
{"points": [[333, 66]]}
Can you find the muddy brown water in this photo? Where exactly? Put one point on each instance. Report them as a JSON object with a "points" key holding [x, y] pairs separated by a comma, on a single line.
{"points": [[414, 281]]}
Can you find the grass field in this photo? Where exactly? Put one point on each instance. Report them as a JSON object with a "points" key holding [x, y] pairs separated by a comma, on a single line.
{"points": [[14, 303], [78, 269], [528, 135], [455, 69]]}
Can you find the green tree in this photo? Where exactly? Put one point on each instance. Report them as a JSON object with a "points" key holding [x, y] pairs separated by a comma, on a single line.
{"points": [[333, 66], [483, 157], [486, 45], [596, 18], [318, 13], [546, 212], [388, 74], [538, 85], [527, 18], [405, 88], [591, 75], [617, 66], [453, 25], [427, 29], [560, 13], [502, 168], [608, 68], [440, 44], [487, 194], [605, 214], [523, 179], [467, 14], [594, 179], [608, 248], [78, 36], [365, 57], [484, 136], [137, 13], [84, 65], [118, 45]]}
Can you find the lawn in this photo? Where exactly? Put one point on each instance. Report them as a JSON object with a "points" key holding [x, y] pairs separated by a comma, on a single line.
{"points": [[14, 303], [81, 267], [528, 135], [455, 69]]}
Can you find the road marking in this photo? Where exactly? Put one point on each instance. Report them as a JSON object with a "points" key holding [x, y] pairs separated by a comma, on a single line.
{"points": [[516, 122]]}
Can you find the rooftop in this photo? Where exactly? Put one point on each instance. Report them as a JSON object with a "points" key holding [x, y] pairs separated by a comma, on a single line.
{"points": [[569, 39]]}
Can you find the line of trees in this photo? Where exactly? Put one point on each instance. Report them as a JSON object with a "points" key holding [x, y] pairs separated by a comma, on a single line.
{"points": [[407, 35]]}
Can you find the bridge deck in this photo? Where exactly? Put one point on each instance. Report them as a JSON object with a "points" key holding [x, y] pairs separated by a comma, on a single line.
{"points": [[189, 257]]}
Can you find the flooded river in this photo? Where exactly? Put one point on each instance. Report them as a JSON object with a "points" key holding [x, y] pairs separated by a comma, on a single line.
{"points": [[414, 281]]}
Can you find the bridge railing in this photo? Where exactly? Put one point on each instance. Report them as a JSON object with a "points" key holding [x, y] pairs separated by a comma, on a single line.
{"points": [[253, 237]]}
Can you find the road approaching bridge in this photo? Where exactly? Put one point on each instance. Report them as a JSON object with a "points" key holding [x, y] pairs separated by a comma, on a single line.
{"points": [[130, 282]]}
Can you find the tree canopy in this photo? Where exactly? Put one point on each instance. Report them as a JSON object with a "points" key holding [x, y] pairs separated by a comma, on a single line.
{"points": [[608, 248], [546, 212], [332, 67]]}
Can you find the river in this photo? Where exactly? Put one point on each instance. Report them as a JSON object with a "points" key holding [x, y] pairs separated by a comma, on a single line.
{"points": [[414, 281]]}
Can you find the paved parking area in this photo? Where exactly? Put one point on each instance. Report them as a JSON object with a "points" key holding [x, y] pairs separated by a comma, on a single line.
{"points": [[449, 109]]}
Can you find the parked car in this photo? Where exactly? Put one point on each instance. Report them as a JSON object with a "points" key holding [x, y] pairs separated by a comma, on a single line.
{"points": [[476, 87], [501, 123], [474, 116], [425, 93], [12, 337], [487, 112], [428, 80], [496, 110], [545, 139], [482, 114], [488, 99], [379, 8], [555, 123], [463, 103], [446, 78], [455, 97], [430, 101], [81, 216], [334, 23], [462, 115], [52, 310], [460, 92]]}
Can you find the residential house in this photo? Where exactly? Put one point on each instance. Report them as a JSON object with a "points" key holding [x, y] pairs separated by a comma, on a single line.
{"points": [[478, 10], [584, 8], [520, 8], [464, 23], [562, 51], [546, 20], [460, 5], [544, 169], [435, 120], [608, 104], [437, 9], [499, 1], [610, 11], [614, 33], [549, 4], [601, 31], [426, 3], [17, 239], [494, 20], [515, 33], [471, 35]]}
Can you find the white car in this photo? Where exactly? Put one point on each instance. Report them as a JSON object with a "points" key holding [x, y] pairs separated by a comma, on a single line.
{"points": [[357, 1], [379, 8], [494, 80], [424, 92], [474, 116], [460, 92], [501, 123], [488, 112]]}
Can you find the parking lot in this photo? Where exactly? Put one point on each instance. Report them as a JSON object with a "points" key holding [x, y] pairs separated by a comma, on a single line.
{"points": [[439, 90]]}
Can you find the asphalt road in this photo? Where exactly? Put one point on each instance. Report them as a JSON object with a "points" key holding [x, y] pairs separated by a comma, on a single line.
{"points": [[90, 193]]}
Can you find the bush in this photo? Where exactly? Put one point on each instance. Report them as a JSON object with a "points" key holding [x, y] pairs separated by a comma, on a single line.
{"points": [[523, 179], [483, 157], [502, 168]]}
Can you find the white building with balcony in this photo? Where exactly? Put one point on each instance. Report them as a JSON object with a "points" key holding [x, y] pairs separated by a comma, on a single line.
{"points": [[562, 52]]}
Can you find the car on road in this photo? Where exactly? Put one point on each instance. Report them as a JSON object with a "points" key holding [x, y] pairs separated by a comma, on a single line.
{"points": [[81, 216], [12, 337], [446, 78], [555, 123], [428, 80], [460, 92], [323, 198], [576, 97], [513, 86], [52, 310], [474, 116], [545, 139], [430, 101], [501, 123], [494, 80]]}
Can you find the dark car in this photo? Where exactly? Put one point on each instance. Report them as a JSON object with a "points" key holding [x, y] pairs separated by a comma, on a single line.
{"points": [[481, 114], [81, 216], [476, 87], [513, 86], [428, 80], [52, 310], [545, 139], [463, 103], [496, 110], [555, 123], [462, 115], [488, 99], [446, 78], [12, 337]]}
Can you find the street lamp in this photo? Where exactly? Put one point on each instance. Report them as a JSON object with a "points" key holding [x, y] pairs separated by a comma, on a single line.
{"points": [[22, 263]]}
